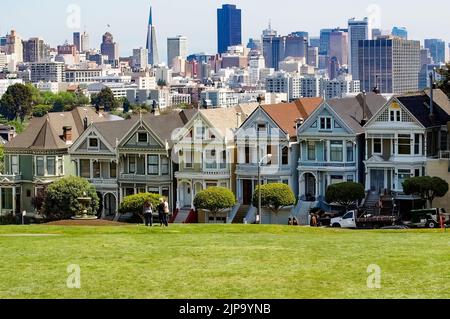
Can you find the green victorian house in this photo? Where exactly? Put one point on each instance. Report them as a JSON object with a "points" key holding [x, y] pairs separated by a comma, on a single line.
{"points": [[39, 156]]}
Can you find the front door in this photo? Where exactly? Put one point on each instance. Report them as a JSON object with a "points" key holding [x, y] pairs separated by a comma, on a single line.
{"points": [[310, 187], [247, 189], [376, 180]]}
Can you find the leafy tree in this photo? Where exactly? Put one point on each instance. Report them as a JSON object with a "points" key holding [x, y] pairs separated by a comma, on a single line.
{"points": [[61, 198], [126, 105], [135, 204], [161, 83], [444, 84], [274, 196], [106, 99], [428, 188], [345, 194], [17, 102], [215, 199], [41, 110], [2, 159]]}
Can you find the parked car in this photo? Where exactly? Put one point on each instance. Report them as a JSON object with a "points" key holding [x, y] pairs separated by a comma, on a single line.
{"points": [[351, 220], [427, 218]]}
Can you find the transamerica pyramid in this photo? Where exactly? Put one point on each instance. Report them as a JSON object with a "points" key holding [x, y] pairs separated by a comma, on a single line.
{"points": [[152, 47]]}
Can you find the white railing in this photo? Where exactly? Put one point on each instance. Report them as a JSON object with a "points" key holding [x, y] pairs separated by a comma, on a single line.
{"points": [[251, 215], [444, 155], [233, 213]]}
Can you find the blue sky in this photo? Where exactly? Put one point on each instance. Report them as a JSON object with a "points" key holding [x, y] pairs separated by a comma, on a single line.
{"points": [[197, 19]]}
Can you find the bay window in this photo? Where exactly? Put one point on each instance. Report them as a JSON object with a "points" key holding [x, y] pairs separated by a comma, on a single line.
{"points": [[311, 151], [51, 166], [350, 152], [404, 144], [336, 151], [40, 168], [85, 168], [153, 165], [14, 164], [164, 165]]}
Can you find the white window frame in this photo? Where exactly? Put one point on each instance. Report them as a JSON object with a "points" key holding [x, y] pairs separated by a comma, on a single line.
{"points": [[91, 148], [328, 120], [137, 137], [381, 146], [16, 165]]}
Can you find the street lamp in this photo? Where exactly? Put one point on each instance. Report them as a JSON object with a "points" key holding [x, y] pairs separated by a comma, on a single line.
{"points": [[268, 157]]}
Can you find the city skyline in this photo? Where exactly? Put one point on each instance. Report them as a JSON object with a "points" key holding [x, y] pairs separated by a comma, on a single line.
{"points": [[129, 30]]}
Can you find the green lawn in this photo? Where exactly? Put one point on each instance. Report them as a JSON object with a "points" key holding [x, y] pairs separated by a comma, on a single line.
{"points": [[226, 261]]}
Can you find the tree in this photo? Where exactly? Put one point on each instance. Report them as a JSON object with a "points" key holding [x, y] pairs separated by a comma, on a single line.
{"points": [[444, 84], [126, 105], [345, 194], [428, 188], [41, 110], [106, 99], [2, 158], [17, 102], [275, 197], [215, 199], [61, 198], [135, 204]]}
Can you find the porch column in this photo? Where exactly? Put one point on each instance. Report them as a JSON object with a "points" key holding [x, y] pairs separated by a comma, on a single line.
{"points": [[1, 203], [91, 167], [366, 151], [385, 178], [14, 200], [317, 185]]}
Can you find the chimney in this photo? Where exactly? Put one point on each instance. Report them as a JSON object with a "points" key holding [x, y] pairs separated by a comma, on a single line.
{"points": [[85, 123], [67, 134], [298, 123], [364, 119]]}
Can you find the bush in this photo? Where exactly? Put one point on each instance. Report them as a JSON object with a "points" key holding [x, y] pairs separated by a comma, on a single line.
{"points": [[426, 187], [41, 110], [8, 219], [345, 194], [274, 196], [215, 199], [135, 203], [61, 198]]}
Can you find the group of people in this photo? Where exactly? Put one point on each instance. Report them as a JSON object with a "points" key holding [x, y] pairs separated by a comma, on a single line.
{"points": [[163, 213], [293, 221]]}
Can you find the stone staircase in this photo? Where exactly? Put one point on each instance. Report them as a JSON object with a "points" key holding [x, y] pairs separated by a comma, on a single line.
{"points": [[242, 212], [182, 215], [371, 202]]}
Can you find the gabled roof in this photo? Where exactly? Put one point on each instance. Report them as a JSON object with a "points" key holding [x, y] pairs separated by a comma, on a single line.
{"points": [[419, 106], [45, 133], [285, 114], [225, 120], [350, 109]]}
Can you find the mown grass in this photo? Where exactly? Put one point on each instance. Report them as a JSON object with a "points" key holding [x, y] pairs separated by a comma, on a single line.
{"points": [[222, 261]]}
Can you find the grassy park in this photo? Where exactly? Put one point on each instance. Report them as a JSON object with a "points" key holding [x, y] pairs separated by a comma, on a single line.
{"points": [[222, 261]]}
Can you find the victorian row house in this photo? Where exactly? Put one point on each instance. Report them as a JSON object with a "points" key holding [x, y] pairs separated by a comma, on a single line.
{"points": [[39, 156], [308, 144]]}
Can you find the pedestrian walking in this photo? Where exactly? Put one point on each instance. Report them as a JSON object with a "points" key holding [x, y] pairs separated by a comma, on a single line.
{"points": [[161, 212], [148, 213], [166, 213]]}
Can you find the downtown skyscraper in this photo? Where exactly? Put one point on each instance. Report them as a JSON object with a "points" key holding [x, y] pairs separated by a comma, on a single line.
{"points": [[152, 46], [357, 30], [229, 27]]}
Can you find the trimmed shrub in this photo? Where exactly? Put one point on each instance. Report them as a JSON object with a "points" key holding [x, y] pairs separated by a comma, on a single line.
{"points": [[215, 199], [274, 196], [345, 194], [61, 198], [135, 203]]}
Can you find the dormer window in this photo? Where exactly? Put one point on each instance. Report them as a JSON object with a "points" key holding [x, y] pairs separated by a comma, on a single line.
{"points": [[262, 128], [93, 143], [325, 123], [142, 137], [395, 116]]}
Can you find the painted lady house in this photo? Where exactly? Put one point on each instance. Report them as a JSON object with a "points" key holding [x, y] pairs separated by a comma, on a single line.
{"points": [[331, 146], [39, 156], [205, 153], [271, 131], [400, 138]]}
